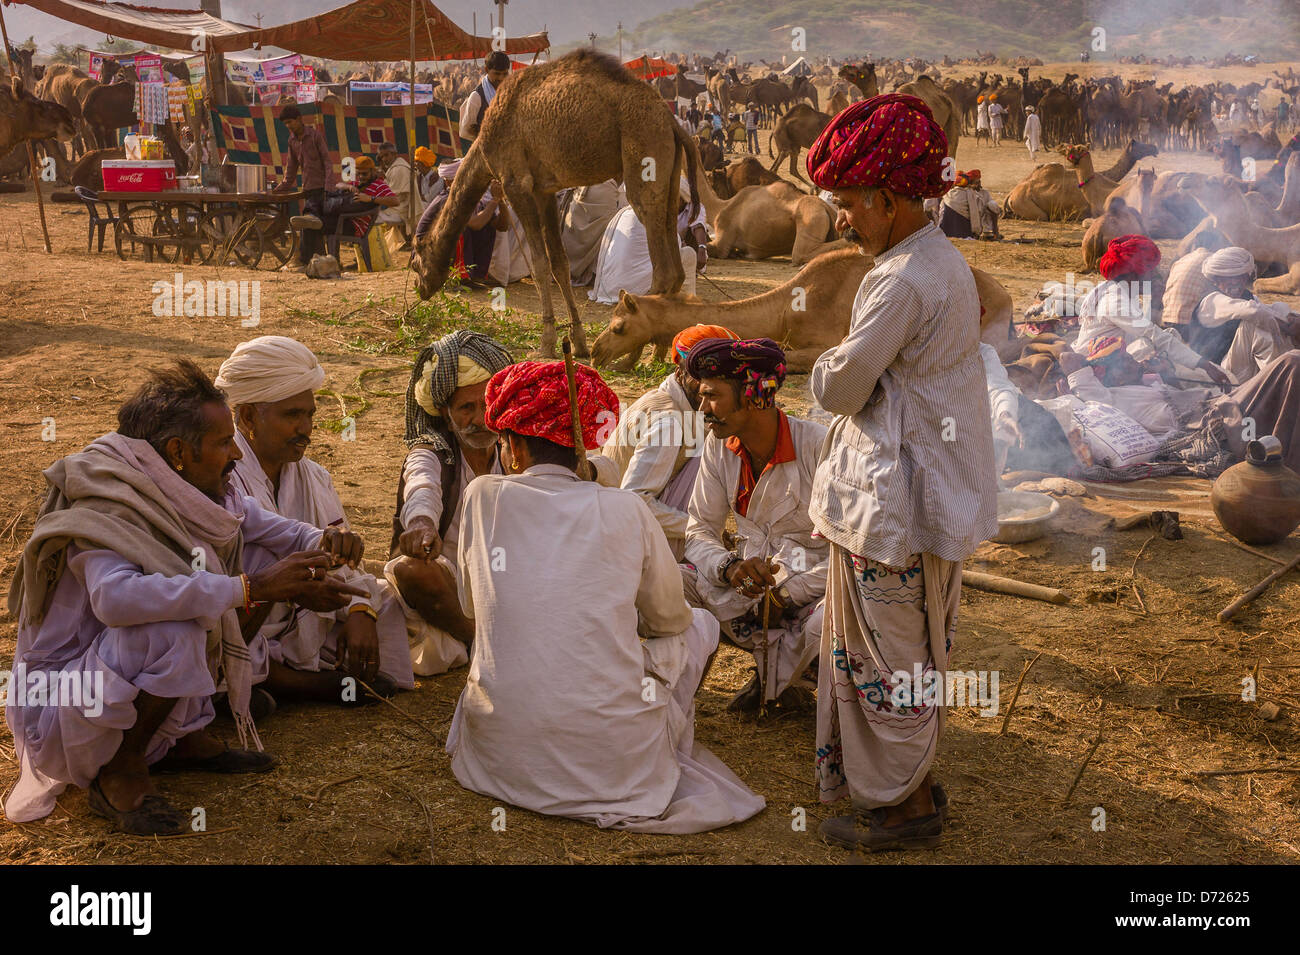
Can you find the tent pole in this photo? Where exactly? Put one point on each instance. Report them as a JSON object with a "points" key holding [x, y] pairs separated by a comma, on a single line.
{"points": [[433, 54], [410, 135], [31, 153]]}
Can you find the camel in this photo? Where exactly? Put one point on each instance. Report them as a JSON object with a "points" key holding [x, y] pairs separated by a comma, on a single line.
{"points": [[1167, 212], [1223, 200], [777, 219], [923, 87], [798, 129], [109, 108], [829, 283], [1051, 192], [530, 141], [24, 118], [1119, 219], [728, 180]]}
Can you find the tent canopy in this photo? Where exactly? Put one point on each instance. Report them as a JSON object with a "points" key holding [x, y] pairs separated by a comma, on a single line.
{"points": [[799, 67], [650, 67], [362, 30]]}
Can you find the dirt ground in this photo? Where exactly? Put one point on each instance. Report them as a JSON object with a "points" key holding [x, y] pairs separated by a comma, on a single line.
{"points": [[1154, 674]]}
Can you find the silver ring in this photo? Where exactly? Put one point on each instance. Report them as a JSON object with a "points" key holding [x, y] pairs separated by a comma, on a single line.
{"points": [[313, 572]]}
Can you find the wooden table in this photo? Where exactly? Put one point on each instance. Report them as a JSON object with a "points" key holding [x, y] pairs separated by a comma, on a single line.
{"points": [[212, 228]]}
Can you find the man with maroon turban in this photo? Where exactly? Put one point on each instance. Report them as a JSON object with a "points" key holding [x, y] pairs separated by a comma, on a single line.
{"points": [[756, 467], [586, 657], [906, 489]]}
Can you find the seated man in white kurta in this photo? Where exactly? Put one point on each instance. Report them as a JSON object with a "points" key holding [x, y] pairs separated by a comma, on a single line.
{"points": [[758, 464], [656, 446], [300, 653], [449, 446], [131, 589], [586, 658], [623, 263]]}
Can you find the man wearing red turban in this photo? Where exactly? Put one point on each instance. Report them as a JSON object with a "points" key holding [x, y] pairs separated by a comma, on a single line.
{"points": [[566, 711], [656, 446], [906, 488]]}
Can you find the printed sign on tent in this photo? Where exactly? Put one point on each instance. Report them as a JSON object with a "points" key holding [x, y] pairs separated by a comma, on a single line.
{"points": [[148, 69], [304, 74], [96, 69], [306, 92]]}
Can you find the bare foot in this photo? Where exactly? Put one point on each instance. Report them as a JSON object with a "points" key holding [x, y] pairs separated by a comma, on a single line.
{"points": [[920, 803], [125, 782]]}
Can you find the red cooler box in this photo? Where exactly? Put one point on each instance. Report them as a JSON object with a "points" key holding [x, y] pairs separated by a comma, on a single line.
{"points": [[139, 175]]}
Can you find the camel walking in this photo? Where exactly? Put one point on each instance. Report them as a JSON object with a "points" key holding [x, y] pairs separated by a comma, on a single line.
{"points": [[576, 121]]}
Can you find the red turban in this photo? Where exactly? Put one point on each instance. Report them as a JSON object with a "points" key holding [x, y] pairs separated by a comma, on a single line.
{"points": [[1129, 255], [532, 398], [688, 338], [889, 140]]}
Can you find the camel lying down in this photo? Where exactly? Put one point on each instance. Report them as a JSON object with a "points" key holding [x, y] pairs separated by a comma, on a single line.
{"points": [[829, 284]]}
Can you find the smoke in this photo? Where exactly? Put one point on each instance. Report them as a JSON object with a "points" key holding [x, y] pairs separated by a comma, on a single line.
{"points": [[1269, 29]]}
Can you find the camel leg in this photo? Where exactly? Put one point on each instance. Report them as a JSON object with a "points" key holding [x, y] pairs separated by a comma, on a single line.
{"points": [[794, 171], [550, 216], [800, 361], [777, 161], [1288, 284], [525, 208], [657, 202]]}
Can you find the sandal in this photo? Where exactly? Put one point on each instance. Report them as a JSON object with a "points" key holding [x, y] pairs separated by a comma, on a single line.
{"points": [[228, 762], [154, 817]]}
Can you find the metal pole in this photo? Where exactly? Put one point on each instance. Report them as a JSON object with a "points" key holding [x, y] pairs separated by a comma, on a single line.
{"points": [[31, 153]]}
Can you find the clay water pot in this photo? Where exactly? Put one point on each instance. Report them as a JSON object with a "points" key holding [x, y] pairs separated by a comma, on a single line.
{"points": [[1258, 500]]}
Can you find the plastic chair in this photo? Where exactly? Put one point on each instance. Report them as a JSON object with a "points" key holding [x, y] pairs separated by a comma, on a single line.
{"points": [[91, 201], [348, 235]]}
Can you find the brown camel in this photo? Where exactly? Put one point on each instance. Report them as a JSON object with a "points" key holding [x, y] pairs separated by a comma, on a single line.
{"points": [[763, 221], [728, 180], [797, 129], [1051, 192], [829, 283], [23, 117], [1224, 201], [1119, 219], [1167, 212], [945, 113], [575, 121]]}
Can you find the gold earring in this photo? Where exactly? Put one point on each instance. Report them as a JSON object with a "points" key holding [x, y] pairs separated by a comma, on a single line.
{"points": [[180, 467]]}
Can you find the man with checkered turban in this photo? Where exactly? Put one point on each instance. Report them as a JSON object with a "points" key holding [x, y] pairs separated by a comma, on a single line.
{"points": [[906, 488], [586, 657]]}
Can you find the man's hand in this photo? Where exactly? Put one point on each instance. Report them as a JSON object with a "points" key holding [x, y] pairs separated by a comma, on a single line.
{"points": [[1070, 361], [1006, 422], [420, 540], [1217, 374], [358, 647], [752, 575], [701, 258], [303, 578], [495, 189], [344, 546]]}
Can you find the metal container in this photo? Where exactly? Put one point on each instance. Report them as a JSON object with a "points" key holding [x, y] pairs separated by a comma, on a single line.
{"points": [[250, 179], [1016, 529]]}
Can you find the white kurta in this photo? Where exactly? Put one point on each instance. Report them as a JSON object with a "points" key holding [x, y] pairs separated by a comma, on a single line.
{"points": [[300, 638], [1112, 309], [584, 224], [777, 526], [511, 258], [623, 263], [1033, 134], [566, 711], [1149, 404], [1258, 339]]}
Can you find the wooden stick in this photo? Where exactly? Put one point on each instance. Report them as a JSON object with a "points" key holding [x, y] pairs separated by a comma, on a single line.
{"points": [[579, 446], [1015, 695], [1087, 758], [1250, 550], [1014, 588], [31, 153], [762, 664], [1243, 772], [418, 722], [1228, 612]]}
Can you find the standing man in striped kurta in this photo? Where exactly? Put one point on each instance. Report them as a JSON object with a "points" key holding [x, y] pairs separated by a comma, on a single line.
{"points": [[906, 489]]}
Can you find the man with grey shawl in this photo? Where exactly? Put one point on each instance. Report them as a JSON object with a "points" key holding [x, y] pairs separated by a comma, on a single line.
{"points": [[448, 445], [132, 604]]}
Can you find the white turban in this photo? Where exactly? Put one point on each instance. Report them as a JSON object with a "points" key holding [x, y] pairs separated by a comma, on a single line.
{"points": [[267, 369], [1227, 263], [448, 169]]}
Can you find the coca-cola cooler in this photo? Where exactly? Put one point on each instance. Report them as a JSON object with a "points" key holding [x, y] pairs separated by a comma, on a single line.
{"points": [[139, 175]]}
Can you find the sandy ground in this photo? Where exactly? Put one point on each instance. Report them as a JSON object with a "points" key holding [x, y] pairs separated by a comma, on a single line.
{"points": [[1155, 675]]}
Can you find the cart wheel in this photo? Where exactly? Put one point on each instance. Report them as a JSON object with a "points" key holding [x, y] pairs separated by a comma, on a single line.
{"points": [[229, 238], [137, 224], [277, 235], [166, 227]]}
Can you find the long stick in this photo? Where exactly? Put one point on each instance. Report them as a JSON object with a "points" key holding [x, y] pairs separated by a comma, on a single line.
{"points": [[579, 446], [1228, 612], [31, 152], [1015, 588], [411, 218], [762, 664]]}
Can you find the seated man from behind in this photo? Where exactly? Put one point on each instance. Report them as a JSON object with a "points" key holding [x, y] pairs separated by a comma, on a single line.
{"points": [[656, 445], [449, 445], [132, 587], [758, 464], [967, 211], [580, 700], [300, 653], [1230, 325]]}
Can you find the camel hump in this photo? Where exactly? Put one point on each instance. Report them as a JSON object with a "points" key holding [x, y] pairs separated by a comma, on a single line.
{"points": [[1116, 204]]}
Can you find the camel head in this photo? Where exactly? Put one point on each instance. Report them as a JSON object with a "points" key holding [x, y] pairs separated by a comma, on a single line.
{"points": [[1074, 153], [628, 332], [32, 118], [430, 274], [1141, 150]]}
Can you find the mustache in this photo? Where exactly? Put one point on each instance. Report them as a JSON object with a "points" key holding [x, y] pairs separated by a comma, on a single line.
{"points": [[851, 234], [228, 468], [710, 419]]}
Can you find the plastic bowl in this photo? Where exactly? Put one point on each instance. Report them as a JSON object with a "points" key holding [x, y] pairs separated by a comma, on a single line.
{"points": [[1015, 530]]}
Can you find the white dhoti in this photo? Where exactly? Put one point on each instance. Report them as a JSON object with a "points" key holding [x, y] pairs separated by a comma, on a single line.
{"points": [[585, 219], [511, 257], [875, 743], [623, 263], [1253, 346], [431, 649]]}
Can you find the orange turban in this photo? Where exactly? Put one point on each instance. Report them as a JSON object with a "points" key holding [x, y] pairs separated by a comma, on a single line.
{"points": [[688, 338]]}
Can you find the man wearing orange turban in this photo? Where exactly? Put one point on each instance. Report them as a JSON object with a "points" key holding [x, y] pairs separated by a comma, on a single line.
{"points": [[656, 446], [905, 489], [586, 657]]}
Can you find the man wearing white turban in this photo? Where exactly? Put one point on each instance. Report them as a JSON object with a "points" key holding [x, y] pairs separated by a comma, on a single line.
{"points": [[449, 445], [300, 653], [1234, 328]]}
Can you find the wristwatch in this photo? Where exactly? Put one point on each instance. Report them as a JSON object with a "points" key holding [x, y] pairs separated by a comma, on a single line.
{"points": [[727, 563]]}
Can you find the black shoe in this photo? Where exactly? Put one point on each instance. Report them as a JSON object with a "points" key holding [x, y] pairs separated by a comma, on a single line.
{"points": [[230, 762], [866, 831], [154, 817], [749, 699], [382, 686]]}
